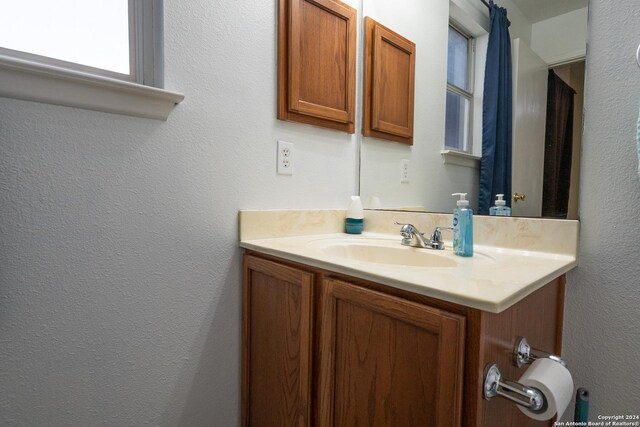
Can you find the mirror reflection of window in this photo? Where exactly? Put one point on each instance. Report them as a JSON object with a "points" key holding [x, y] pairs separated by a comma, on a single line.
{"points": [[459, 91]]}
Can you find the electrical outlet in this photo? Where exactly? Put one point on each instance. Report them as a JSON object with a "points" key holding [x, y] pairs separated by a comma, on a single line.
{"points": [[285, 158], [404, 171]]}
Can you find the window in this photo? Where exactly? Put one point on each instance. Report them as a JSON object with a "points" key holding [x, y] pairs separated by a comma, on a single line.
{"points": [[102, 55], [88, 35], [459, 91], [104, 37]]}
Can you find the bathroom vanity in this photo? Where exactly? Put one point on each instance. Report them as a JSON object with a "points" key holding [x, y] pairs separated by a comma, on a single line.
{"points": [[332, 338]]}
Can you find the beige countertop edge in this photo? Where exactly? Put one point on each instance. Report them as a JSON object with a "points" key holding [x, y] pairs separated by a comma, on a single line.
{"points": [[495, 305]]}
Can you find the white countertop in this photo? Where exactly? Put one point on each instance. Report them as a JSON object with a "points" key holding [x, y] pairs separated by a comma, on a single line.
{"points": [[493, 279], [513, 257]]}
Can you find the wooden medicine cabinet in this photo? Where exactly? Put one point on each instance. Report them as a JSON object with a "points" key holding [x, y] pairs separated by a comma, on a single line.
{"points": [[317, 63], [389, 81]]}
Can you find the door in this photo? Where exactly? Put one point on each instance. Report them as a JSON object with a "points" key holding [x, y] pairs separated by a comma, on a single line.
{"points": [[385, 361], [529, 119]]}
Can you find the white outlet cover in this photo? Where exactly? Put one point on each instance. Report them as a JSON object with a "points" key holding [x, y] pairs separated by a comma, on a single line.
{"points": [[285, 158], [404, 171]]}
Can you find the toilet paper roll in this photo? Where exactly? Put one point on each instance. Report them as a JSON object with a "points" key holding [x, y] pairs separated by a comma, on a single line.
{"points": [[554, 381]]}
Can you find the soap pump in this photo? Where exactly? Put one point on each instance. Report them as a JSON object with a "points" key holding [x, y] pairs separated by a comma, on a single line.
{"points": [[501, 208], [354, 223], [462, 227]]}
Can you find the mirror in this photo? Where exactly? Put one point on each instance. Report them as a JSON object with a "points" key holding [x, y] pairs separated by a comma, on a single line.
{"points": [[545, 34]]}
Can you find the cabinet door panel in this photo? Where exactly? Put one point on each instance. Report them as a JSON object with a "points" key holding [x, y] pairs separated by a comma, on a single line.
{"points": [[316, 63], [389, 83], [319, 60], [385, 361], [393, 83], [276, 344]]}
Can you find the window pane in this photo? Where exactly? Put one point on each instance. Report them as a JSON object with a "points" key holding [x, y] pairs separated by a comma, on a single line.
{"points": [[89, 32], [457, 122], [457, 59]]}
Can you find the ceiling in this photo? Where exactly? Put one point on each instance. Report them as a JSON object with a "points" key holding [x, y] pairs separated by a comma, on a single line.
{"points": [[539, 10]]}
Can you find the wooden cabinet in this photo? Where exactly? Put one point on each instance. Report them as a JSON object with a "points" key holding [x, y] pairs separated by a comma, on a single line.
{"points": [[323, 349], [276, 341], [317, 63], [389, 83], [387, 361]]}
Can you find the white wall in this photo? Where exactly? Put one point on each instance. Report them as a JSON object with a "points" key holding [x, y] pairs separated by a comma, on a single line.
{"points": [[119, 265], [520, 25], [602, 314], [562, 38]]}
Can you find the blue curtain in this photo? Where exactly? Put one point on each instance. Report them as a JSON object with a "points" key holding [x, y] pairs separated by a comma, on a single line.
{"points": [[495, 167]]}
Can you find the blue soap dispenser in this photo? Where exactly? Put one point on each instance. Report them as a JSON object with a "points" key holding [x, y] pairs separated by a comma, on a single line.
{"points": [[501, 208], [462, 227]]}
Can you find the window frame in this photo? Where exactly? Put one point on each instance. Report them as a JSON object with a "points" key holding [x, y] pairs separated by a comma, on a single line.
{"points": [[27, 77], [467, 94], [148, 46]]}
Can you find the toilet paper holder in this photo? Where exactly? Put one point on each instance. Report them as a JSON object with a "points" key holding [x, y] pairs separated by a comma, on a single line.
{"points": [[495, 385], [529, 397], [523, 354]]}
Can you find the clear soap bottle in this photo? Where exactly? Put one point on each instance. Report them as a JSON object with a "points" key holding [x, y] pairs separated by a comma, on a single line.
{"points": [[462, 227], [501, 208]]}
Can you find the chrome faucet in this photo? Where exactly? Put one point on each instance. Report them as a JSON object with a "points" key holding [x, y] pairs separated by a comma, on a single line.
{"points": [[411, 236]]}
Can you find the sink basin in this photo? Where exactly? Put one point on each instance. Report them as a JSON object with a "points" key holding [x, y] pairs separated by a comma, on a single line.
{"points": [[385, 253]]}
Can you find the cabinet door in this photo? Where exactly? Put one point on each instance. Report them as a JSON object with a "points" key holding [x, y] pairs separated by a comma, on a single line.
{"points": [[276, 344], [385, 361], [317, 63], [389, 82]]}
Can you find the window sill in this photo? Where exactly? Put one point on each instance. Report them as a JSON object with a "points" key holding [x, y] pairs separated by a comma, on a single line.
{"points": [[459, 158], [32, 81]]}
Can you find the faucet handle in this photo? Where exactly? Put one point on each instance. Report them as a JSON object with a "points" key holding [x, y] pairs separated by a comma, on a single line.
{"points": [[436, 237], [439, 229]]}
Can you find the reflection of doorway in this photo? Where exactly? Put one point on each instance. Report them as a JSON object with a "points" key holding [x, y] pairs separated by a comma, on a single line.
{"points": [[530, 74], [529, 115], [573, 75]]}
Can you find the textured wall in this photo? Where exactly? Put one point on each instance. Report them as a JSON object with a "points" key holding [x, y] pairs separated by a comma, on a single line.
{"points": [[119, 266], [602, 315], [119, 271]]}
